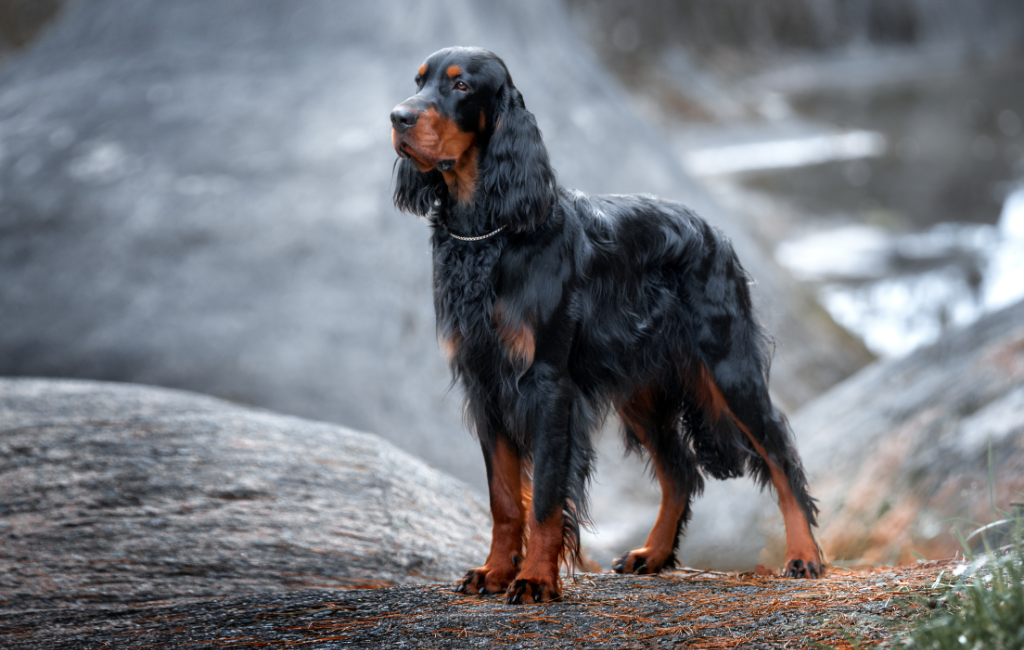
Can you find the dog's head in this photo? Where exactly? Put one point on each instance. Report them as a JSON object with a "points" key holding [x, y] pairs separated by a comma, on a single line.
{"points": [[466, 136]]}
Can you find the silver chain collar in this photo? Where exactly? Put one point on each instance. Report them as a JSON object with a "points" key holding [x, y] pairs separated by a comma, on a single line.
{"points": [[490, 234]]}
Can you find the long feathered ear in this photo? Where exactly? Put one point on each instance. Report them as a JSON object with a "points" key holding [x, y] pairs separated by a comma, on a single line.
{"points": [[417, 191], [516, 178]]}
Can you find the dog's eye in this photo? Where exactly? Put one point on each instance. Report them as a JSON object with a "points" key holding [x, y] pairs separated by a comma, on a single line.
{"points": [[460, 85]]}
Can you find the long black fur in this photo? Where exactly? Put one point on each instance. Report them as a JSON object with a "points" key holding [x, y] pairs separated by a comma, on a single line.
{"points": [[623, 293]]}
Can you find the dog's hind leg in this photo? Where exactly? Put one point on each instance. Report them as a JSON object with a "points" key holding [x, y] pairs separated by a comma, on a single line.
{"points": [[803, 557], [727, 375], [649, 421], [742, 398]]}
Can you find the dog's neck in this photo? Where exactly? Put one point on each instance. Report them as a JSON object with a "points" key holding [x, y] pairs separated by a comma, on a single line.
{"points": [[465, 219]]}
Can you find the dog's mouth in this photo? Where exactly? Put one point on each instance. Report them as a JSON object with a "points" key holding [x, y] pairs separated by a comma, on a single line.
{"points": [[445, 165], [400, 149], [406, 150]]}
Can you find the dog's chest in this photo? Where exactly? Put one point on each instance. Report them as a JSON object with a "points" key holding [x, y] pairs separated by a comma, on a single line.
{"points": [[465, 281]]}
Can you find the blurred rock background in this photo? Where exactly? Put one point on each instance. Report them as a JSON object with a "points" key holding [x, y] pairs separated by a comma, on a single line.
{"points": [[197, 195]]}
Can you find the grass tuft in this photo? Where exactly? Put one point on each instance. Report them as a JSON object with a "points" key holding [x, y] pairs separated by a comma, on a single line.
{"points": [[982, 608]]}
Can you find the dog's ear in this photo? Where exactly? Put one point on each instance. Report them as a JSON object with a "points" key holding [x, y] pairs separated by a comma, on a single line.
{"points": [[515, 175], [417, 191]]}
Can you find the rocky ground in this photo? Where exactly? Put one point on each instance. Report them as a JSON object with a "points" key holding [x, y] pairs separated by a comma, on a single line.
{"points": [[689, 608]]}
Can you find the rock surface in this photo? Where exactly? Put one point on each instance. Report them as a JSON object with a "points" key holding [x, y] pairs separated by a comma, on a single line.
{"points": [[684, 609], [118, 494], [196, 194], [899, 453]]}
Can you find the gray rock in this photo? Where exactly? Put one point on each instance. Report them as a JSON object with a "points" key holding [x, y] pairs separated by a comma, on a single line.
{"points": [[114, 493], [196, 194], [899, 453]]}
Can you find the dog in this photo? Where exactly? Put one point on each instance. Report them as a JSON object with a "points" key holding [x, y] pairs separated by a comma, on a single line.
{"points": [[555, 308]]}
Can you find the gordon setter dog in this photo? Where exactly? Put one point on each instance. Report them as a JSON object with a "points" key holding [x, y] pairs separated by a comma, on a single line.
{"points": [[554, 308]]}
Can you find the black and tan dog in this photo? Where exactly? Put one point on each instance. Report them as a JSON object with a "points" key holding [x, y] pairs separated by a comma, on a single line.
{"points": [[554, 307]]}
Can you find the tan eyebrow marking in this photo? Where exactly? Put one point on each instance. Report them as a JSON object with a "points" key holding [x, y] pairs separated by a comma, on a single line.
{"points": [[423, 69], [454, 71]]}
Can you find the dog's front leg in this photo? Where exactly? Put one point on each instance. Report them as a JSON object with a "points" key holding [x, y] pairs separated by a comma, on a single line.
{"points": [[539, 580], [504, 470], [547, 400]]}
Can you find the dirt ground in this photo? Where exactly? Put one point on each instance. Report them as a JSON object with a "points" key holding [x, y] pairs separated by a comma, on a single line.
{"points": [[687, 608]]}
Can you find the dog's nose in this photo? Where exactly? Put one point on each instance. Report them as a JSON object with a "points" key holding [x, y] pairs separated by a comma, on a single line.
{"points": [[403, 118]]}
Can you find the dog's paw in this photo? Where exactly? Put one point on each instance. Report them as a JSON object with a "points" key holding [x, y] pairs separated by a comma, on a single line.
{"points": [[485, 580], [640, 561], [798, 568], [533, 590]]}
